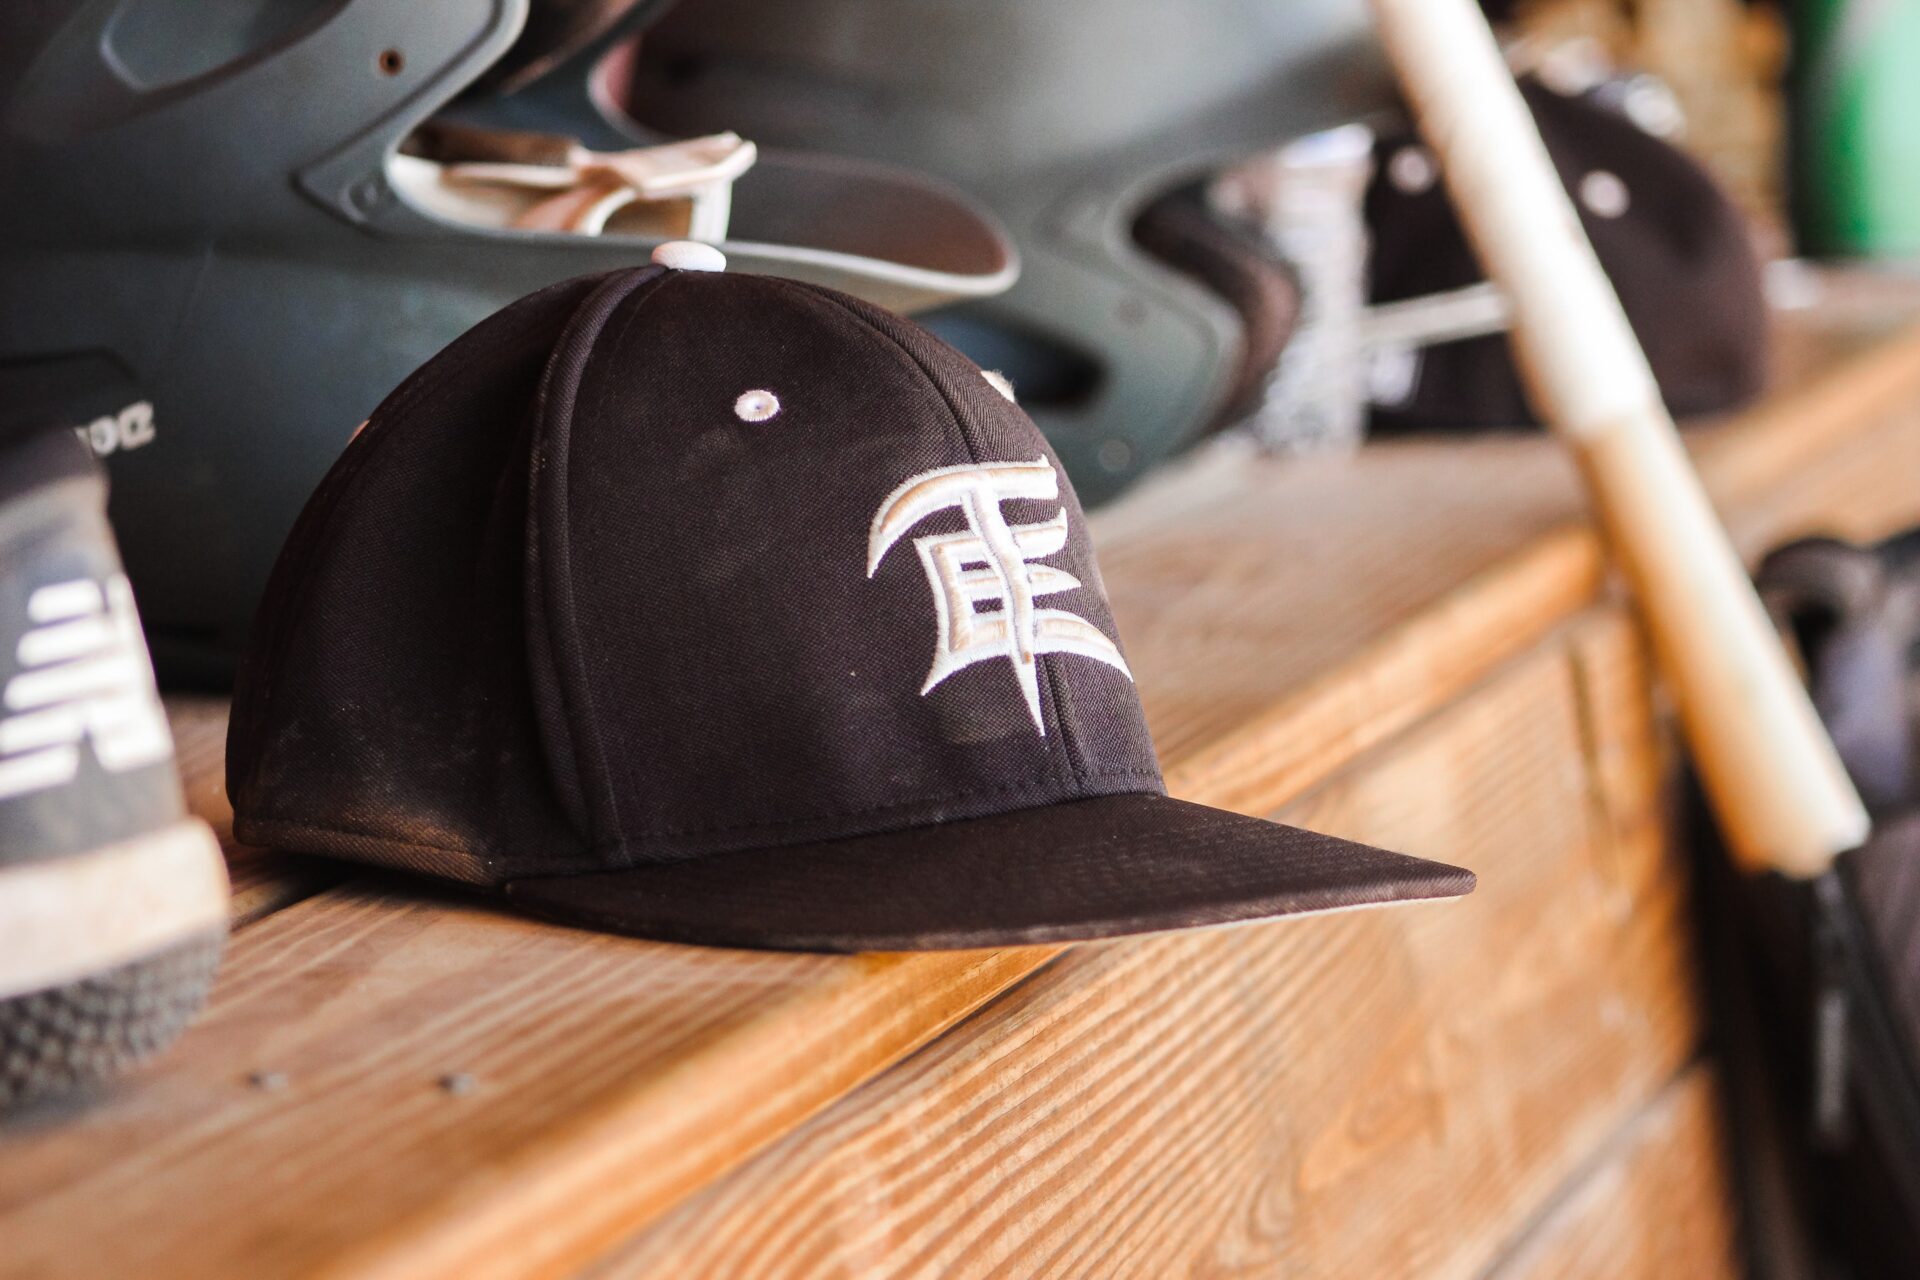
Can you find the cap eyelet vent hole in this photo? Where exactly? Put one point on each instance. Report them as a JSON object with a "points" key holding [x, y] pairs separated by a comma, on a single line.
{"points": [[1412, 171], [1604, 194], [391, 62], [756, 406]]}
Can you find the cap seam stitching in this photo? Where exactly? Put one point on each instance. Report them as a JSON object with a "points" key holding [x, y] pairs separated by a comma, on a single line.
{"points": [[967, 436], [596, 848], [561, 617], [1069, 733], [971, 793]]}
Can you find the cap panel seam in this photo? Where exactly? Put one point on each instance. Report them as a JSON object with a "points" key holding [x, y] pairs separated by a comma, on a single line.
{"points": [[325, 503], [550, 538], [1071, 753], [562, 614], [967, 437], [1075, 758], [1069, 732], [557, 420]]}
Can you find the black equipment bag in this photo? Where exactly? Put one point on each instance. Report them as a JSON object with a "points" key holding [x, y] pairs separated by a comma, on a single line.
{"points": [[1819, 992]]}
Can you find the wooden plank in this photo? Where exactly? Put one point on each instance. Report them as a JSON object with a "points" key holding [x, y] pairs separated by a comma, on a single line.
{"points": [[1659, 1204], [362, 1002], [1247, 1101], [632, 1115], [1863, 491], [1851, 370], [1226, 579]]}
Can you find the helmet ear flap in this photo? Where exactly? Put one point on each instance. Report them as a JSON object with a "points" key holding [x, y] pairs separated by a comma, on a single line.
{"points": [[1181, 231]]}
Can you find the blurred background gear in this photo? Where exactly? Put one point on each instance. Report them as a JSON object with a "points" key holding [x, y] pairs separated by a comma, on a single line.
{"points": [[1819, 989], [1856, 127], [113, 899], [1678, 251], [1306, 199], [1853, 615], [216, 259], [1722, 59], [1125, 338]]}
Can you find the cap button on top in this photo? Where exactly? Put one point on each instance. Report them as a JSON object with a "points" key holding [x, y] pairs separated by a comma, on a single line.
{"points": [[690, 255]]}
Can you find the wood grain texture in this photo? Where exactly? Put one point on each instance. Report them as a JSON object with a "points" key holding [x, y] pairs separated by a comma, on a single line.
{"points": [[1247, 583], [1385, 1094], [614, 1080], [1658, 1203], [605, 1071]]}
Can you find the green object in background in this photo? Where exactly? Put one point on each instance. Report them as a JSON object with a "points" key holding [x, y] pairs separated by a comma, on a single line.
{"points": [[1855, 96]]}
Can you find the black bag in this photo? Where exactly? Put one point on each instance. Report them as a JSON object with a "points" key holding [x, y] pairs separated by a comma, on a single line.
{"points": [[1819, 998]]}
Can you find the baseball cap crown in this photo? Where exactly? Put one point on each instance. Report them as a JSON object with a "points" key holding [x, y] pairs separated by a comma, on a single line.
{"points": [[650, 565], [729, 610], [802, 571]]}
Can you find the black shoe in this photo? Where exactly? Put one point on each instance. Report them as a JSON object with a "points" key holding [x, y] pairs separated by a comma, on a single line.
{"points": [[113, 901]]}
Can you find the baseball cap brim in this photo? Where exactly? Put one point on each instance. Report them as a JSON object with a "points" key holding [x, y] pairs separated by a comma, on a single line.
{"points": [[1096, 868]]}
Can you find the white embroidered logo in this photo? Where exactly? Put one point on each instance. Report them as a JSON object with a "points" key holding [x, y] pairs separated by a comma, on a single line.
{"points": [[83, 675], [991, 562]]}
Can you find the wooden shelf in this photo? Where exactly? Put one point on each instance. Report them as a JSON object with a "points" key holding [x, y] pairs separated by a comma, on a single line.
{"points": [[1417, 647]]}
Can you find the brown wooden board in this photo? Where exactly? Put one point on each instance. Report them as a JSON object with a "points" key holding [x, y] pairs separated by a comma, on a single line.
{"points": [[1657, 1202], [1377, 1094], [1286, 623]]}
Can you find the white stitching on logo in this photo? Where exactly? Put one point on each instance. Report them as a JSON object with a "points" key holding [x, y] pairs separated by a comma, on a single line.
{"points": [[991, 562], [83, 675]]}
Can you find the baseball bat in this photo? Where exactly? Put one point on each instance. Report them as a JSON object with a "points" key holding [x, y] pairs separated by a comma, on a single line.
{"points": [[1778, 789]]}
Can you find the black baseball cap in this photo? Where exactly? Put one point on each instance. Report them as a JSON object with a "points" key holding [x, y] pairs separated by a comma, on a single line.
{"points": [[1679, 253], [719, 608]]}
